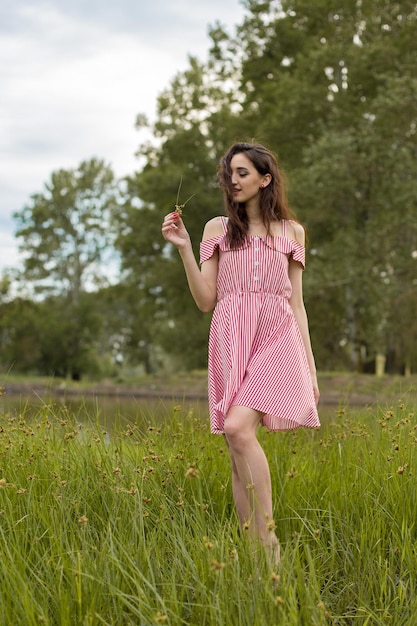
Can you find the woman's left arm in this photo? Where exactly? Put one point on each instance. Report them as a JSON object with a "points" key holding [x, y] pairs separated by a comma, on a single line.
{"points": [[297, 304]]}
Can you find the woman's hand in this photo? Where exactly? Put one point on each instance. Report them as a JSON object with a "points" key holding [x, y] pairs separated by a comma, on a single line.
{"points": [[174, 231], [315, 388]]}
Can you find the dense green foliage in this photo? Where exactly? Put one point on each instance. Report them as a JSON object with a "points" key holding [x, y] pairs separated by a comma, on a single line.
{"points": [[328, 85], [137, 526]]}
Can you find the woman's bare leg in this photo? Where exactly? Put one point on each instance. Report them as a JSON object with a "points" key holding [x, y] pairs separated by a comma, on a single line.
{"points": [[240, 493], [251, 476]]}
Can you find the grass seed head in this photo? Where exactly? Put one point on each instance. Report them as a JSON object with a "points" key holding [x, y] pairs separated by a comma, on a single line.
{"points": [[160, 618], [292, 473], [179, 207], [192, 472], [216, 566], [208, 544]]}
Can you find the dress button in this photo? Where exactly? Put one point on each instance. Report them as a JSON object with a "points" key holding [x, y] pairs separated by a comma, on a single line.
{"points": [[255, 278]]}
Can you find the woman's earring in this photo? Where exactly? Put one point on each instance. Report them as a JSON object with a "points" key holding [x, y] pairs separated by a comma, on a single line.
{"points": [[262, 186]]}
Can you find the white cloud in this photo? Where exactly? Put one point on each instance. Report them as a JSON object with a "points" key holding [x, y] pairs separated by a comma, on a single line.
{"points": [[74, 76]]}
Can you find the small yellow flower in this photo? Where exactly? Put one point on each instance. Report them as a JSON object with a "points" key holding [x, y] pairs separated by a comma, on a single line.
{"points": [[83, 520], [278, 601]]}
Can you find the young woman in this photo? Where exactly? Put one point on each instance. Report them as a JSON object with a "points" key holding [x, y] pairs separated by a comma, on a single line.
{"points": [[261, 365]]}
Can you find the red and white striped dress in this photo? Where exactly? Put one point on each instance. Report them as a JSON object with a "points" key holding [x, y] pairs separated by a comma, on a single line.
{"points": [[256, 354]]}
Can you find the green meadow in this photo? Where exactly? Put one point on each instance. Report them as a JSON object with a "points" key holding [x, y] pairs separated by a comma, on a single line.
{"points": [[136, 526]]}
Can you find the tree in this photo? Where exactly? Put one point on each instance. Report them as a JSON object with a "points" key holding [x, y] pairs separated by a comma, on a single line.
{"points": [[19, 340], [158, 307], [329, 85], [68, 337], [50, 338], [332, 86], [360, 189], [64, 232], [65, 239]]}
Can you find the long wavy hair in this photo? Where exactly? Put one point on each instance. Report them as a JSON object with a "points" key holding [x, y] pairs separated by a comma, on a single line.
{"points": [[273, 202]]}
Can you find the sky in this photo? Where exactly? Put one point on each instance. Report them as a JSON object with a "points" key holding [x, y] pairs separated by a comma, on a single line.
{"points": [[74, 75]]}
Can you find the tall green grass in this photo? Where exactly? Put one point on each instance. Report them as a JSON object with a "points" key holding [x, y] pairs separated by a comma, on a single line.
{"points": [[137, 527]]}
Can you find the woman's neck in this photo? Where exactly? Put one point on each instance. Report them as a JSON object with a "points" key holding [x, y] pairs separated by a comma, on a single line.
{"points": [[254, 214]]}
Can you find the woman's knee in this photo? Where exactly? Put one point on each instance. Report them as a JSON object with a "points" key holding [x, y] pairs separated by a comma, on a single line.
{"points": [[236, 441], [240, 428]]}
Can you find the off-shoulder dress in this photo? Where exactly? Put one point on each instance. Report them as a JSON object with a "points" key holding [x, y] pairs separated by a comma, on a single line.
{"points": [[256, 355]]}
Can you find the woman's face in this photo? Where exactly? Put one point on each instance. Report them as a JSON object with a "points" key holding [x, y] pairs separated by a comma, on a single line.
{"points": [[246, 180]]}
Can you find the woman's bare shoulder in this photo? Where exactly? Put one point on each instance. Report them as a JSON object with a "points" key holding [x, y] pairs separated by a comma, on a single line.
{"points": [[296, 231], [213, 228]]}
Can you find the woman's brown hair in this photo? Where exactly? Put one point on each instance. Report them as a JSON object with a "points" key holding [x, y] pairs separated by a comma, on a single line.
{"points": [[273, 203]]}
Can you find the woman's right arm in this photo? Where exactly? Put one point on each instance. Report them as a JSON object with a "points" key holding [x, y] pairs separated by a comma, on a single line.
{"points": [[202, 283]]}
